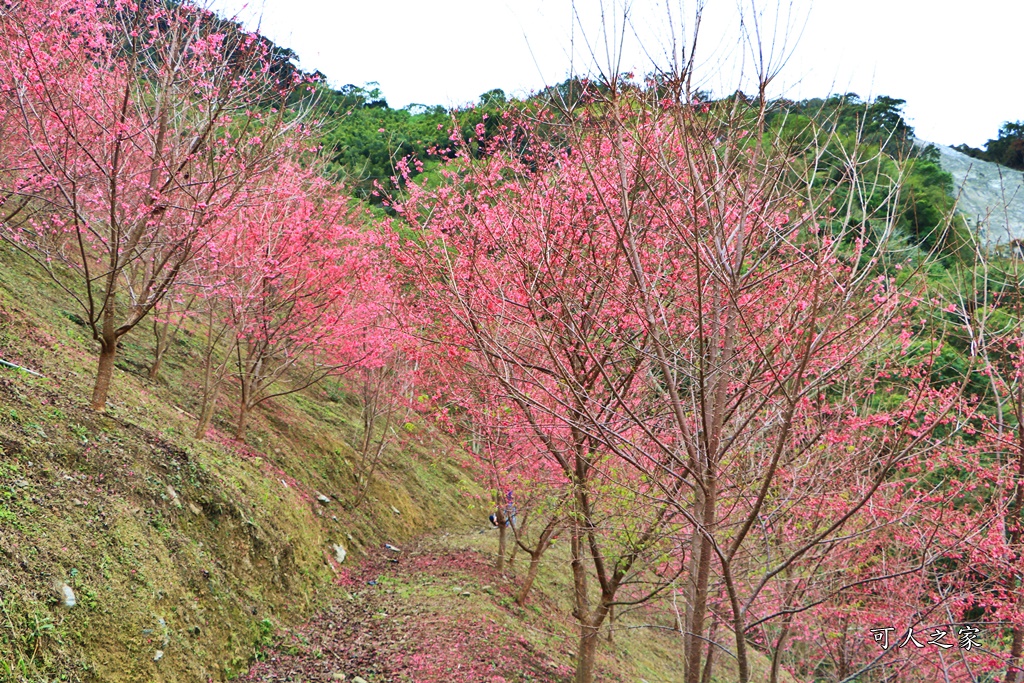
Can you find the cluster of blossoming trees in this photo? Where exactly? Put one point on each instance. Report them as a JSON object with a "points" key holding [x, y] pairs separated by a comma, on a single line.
{"points": [[695, 351], [156, 162], [705, 365], [683, 347]]}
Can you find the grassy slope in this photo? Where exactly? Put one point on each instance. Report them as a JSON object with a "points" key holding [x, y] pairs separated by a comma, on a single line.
{"points": [[84, 500], [239, 552]]}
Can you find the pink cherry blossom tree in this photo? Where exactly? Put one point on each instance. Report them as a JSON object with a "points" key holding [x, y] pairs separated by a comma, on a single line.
{"points": [[134, 131], [302, 289], [685, 318]]}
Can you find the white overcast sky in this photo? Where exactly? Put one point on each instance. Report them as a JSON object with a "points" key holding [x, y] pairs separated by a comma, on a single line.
{"points": [[957, 63]]}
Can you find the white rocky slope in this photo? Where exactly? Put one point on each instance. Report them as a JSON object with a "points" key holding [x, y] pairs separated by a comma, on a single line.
{"points": [[990, 196]]}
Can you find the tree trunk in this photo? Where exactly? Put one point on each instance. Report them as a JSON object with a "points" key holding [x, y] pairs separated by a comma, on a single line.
{"points": [[589, 631], [243, 419], [590, 622], [777, 654], [710, 657], [581, 599], [502, 538], [694, 642], [531, 575], [160, 330], [207, 410], [104, 373], [700, 595], [364, 483], [213, 374], [108, 351], [243, 407], [691, 583], [586, 656], [154, 369], [738, 627], [1015, 669], [542, 545]]}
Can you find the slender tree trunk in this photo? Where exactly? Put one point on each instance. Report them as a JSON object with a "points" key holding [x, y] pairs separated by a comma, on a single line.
{"points": [[792, 594], [700, 590], [587, 655], [154, 369], [243, 420], [590, 623], [1015, 668], [246, 389], [363, 477], [738, 626], [213, 383], [369, 423], [709, 658], [691, 578], [531, 576], [581, 602], [104, 374], [777, 655], [502, 538], [213, 379], [206, 411], [844, 668], [590, 630], [108, 351], [160, 334], [367, 478], [696, 543], [367, 466]]}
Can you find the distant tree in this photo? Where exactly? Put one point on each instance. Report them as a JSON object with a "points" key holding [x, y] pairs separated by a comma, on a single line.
{"points": [[302, 289], [365, 140], [884, 124], [1007, 149], [875, 132], [496, 96]]}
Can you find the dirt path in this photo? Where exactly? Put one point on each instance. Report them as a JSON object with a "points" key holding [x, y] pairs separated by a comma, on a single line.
{"points": [[428, 613]]}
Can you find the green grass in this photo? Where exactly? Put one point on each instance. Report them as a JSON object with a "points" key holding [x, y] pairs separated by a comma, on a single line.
{"points": [[84, 500]]}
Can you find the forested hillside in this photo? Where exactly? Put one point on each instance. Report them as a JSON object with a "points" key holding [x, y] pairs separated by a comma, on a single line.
{"points": [[616, 381]]}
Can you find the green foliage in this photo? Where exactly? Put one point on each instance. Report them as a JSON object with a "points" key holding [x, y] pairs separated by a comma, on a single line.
{"points": [[1007, 149], [874, 131], [879, 122], [264, 638], [365, 139]]}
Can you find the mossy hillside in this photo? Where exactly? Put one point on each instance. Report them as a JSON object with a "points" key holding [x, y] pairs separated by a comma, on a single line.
{"points": [[188, 548]]}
